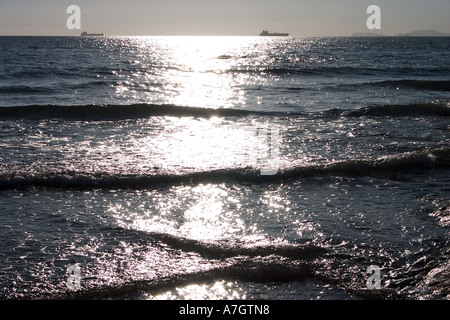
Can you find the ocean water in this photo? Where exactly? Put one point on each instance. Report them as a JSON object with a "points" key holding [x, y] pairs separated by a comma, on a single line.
{"points": [[224, 168]]}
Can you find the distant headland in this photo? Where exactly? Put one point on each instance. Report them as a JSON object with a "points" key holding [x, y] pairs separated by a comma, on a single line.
{"points": [[419, 33]]}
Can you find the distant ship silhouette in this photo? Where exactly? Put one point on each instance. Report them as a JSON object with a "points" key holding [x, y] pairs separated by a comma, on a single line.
{"points": [[266, 33], [85, 34]]}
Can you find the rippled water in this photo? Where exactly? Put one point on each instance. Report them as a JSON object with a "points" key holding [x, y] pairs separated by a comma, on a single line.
{"points": [[224, 167]]}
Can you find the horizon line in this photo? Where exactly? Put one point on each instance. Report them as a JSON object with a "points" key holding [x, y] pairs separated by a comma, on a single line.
{"points": [[355, 34], [369, 33]]}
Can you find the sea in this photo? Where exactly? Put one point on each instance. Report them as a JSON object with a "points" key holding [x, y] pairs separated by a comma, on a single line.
{"points": [[224, 168]]}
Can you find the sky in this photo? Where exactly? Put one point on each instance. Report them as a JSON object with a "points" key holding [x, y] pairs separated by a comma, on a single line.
{"points": [[221, 17]]}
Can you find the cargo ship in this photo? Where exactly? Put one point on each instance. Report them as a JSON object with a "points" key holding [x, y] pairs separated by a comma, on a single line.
{"points": [[266, 33], [85, 34]]}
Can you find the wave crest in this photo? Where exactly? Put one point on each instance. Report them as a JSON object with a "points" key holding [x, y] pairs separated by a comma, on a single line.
{"points": [[113, 112], [385, 167], [419, 109], [132, 111]]}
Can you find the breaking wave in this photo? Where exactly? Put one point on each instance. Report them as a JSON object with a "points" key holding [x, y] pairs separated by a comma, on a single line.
{"points": [[418, 84], [385, 167], [113, 112], [419, 109], [132, 111]]}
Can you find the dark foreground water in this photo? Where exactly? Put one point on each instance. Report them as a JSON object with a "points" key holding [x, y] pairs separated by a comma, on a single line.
{"points": [[224, 168]]}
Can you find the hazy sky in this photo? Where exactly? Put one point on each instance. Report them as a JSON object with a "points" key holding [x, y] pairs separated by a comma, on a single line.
{"points": [[221, 17]]}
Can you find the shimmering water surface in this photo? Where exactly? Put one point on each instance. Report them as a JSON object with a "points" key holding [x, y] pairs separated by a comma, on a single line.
{"points": [[224, 167]]}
